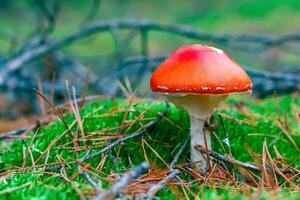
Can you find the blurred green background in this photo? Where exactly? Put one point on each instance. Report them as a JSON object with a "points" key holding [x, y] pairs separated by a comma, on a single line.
{"points": [[22, 19], [274, 17]]}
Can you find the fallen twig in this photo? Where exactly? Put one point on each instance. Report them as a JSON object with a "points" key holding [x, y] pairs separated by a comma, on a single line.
{"points": [[17, 132], [87, 176], [177, 156], [263, 41], [127, 137], [124, 181], [161, 184], [9, 190], [173, 172], [233, 161], [117, 142], [22, 130], [56, 110]]}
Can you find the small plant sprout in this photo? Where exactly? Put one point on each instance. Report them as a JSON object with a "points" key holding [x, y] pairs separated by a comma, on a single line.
{"points": [[196, 78]]}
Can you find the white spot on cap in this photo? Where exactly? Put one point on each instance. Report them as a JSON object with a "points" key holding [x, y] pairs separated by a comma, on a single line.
{"points": [[216, 50], [220, 88], [162, 87], [205, 88]]}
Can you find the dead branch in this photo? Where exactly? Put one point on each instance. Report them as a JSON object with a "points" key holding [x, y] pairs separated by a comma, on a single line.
{"points": [[17, 132], [123, 182], [87, 176], [138, 133], [27, 85], [173, 172], [247, 165], [161, 184], [263, 41], [127, 137], [56, 110], [223, 158], [22, 130], [33, 127], [9, 190], [264, 83], [179, 153]]}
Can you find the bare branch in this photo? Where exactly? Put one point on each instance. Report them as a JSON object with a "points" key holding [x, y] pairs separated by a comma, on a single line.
{"points": [[173, 172], [123, 182], [22, 130], [87, 176], [233, 161], [179, 153], [33, 127], [17, 132], [117, 142], [264, 83], [56, 110], [161, 184], [10, 190], [94, 28], [144, 52], [127, 137]]}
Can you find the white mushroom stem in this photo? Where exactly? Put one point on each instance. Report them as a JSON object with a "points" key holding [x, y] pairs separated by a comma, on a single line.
{"points": [[200, 108], [199, 136]]}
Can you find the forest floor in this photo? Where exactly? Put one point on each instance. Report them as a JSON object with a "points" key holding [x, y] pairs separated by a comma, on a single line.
{"points": [[262, 133]]}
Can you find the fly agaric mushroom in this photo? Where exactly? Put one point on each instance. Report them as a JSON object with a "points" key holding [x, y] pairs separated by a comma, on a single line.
{"points": [[196, 78]]}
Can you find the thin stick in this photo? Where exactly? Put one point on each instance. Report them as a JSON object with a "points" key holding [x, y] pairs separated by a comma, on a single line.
{"points": [[55, 109], [123, 182], [19, 131], [247, 165], [179, 153], [87, 176], [9, 190], [127, 137], [161, 184], [173, 172], [117, 142], [261, 40]]}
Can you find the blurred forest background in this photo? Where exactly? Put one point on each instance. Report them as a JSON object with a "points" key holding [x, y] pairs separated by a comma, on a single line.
{"points": [[118, 43], [108, 49]]}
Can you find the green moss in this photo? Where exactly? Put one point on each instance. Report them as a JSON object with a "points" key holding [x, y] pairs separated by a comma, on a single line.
{"points": [[248, 123]]}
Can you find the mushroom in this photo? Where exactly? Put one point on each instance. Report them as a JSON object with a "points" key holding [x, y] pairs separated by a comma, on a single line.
{"points": [[196, 78]]}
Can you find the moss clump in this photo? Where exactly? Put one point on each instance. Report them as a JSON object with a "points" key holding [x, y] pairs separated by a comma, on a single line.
{"points": [[248, 124]]}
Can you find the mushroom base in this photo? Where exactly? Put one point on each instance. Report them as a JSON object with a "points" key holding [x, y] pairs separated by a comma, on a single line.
{"points": [[200, 108]]}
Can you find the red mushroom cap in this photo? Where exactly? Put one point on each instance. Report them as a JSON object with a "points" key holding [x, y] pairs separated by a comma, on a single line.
{"points": [[199, 69]]}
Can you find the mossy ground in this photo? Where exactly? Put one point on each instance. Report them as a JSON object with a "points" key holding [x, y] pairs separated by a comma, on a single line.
{"points": [[248, 122]]}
